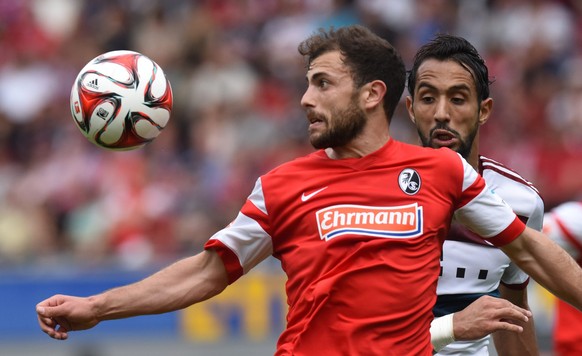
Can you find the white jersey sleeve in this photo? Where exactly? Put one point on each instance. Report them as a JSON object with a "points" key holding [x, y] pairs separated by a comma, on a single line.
{"points": [[522, 197], [487, 215], [246, 236]]}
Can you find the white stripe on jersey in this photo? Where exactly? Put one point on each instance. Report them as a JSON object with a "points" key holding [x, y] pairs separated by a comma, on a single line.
{"points": [[258, 198], [245, 237], [470, 174]]}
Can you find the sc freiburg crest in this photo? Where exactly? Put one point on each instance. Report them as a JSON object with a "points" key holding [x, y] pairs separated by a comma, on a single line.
{"points": [[409, 181]]}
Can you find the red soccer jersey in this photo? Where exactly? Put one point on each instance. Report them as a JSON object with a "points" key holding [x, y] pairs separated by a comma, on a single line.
{"points": [[359, 240], [564, 226]]}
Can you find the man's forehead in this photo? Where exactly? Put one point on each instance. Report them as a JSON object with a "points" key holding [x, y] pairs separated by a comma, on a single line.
{"points": [[444, 71], [328, 62]]}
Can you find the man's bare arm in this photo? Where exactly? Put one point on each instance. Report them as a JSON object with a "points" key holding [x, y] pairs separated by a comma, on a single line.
{"points": [[548, 264], [177, 286]]}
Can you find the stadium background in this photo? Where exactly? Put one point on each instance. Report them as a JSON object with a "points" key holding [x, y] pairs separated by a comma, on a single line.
{"points": [[77, 219]]}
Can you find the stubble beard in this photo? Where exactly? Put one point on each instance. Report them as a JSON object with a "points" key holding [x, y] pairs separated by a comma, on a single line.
{"points": [[346, 125], [465, 144]]}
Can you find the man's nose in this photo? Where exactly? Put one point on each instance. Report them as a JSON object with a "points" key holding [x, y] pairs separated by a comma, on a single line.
{"points": [[442, 112], [307, 98]]}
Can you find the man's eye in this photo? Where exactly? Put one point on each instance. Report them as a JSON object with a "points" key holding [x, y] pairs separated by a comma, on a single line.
{"points": [[323, 83], [427, 99]]}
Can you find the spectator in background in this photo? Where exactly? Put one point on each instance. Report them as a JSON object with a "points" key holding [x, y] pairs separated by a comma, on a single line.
{"points": [[563, 224]]}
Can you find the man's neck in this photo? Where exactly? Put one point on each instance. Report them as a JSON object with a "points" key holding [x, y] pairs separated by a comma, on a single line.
{"points": [[473, 158], [357, 148]]}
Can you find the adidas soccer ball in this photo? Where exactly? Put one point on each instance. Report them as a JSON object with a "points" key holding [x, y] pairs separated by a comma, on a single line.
{"points": [[121, 100]]}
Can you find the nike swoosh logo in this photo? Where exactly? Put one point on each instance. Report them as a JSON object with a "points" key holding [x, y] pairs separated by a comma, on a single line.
{"points": [[305, 198]]}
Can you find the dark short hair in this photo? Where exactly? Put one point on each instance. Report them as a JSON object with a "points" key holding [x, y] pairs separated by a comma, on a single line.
{"points": [[368, 56], [448, 47]]}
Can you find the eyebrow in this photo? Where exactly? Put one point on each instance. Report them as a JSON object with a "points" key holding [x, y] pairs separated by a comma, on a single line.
{"points": [[454, 88], [315, 76]]}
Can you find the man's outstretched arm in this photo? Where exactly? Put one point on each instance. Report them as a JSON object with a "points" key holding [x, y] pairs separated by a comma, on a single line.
{"points": [[177, 286]]}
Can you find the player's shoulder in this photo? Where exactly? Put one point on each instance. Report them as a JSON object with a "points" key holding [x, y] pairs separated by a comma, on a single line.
{"points": [[517, 191], [495, 170], [296, 169]]}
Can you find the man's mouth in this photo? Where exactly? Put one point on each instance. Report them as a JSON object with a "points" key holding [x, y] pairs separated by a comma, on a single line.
{"points": [[315, 121], [443, 138]]}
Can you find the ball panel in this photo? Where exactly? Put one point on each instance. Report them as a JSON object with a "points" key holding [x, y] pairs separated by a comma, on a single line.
{"points": [[147, 129], [158, 86], [108, 130]]}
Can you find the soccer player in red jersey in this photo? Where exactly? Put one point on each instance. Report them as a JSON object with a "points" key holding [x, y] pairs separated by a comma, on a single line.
{"points": [[563, 224], [449, 101], [357, 225]]}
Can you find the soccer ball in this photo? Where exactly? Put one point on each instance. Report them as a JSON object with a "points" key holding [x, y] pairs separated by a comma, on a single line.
{"points": [[121, 100]]}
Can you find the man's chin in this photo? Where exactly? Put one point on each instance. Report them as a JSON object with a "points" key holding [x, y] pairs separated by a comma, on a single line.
{"points": [[315, 142]]}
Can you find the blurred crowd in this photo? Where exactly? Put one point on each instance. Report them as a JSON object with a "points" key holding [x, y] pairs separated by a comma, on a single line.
{"points": [[237, 80]]}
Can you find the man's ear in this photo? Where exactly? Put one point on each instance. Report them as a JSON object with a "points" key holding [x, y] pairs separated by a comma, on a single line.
{"points": [[410, 109], [485, 110], [374, 93]]}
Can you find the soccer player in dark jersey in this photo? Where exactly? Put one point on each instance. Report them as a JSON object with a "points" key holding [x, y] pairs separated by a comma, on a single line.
{"points": [[357, 225], [449, 101]]}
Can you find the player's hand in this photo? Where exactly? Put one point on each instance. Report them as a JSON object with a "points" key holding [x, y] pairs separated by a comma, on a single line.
{"points": [[487, 315], [60, 314]]}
